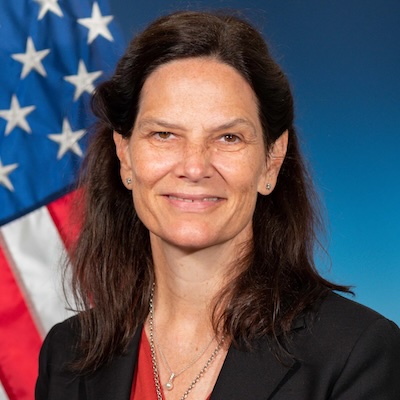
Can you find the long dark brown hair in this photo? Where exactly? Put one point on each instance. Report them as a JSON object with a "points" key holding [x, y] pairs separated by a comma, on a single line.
{"points": [[112, 271]]}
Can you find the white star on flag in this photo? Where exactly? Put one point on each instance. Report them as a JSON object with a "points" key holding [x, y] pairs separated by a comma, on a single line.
{"points": [[97, 24], [48, 5], [67, 140], [83, 80], [16, 115], [5, 170], [31, 59]]}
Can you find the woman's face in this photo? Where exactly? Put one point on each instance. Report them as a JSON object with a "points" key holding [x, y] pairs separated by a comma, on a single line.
{"points": [[196, 156]]}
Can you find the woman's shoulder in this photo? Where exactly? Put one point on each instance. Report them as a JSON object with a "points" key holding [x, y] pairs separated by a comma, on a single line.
{"points": [[348, 351], [67, 330], [340, 314], [340, 326], [61, 342], [57, 355]]}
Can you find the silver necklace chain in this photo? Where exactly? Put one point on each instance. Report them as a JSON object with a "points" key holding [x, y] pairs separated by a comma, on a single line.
{"points": [[172, 376]]}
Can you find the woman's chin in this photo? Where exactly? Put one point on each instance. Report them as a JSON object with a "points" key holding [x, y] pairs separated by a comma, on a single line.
{"points": [[189, 239]]}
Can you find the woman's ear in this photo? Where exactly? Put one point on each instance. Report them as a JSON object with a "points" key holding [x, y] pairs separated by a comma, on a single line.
{"points": [[123, 154], [274, 162]]}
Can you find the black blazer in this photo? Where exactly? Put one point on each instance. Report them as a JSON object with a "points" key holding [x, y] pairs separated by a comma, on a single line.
{"points": [[347, 352]]}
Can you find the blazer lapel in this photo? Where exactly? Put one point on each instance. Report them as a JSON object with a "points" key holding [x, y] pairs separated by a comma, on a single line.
{"points": [[253, 375], [114, 380]]}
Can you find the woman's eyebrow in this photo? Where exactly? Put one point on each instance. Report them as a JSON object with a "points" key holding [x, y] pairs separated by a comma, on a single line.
{"points": [[169, 125], [157, 122]]}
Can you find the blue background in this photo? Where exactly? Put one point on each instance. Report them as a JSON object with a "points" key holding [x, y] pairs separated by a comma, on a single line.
{"points": [[343, 60]]}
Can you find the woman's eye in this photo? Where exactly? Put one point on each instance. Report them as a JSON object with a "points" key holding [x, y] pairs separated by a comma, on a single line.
{"points": [[230, 138], [163, 135]]}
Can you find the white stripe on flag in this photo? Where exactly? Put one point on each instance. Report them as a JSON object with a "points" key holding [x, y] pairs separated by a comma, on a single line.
{"points": [[36, 249], [3, 395]]}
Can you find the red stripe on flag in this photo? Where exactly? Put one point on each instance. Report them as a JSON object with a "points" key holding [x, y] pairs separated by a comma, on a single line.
{"points": [[65, 214], [19, 338]]}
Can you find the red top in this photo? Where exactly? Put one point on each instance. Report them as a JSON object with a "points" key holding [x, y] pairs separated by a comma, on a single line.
{"points": [[143, 387]]}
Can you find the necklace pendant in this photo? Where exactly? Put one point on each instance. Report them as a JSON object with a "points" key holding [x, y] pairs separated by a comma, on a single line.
{"points": [[170, 384]]}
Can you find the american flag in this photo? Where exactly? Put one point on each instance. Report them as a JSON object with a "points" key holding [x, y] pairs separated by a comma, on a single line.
{"points": [[53, 53]]}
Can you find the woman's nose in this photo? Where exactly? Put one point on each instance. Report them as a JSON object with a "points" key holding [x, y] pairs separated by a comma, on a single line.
{"points": [[195, 162]]}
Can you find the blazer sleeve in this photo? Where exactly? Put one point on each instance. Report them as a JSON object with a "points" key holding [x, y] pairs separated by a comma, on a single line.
{"points": [[372, 369], [56, 380], [41, 389]]}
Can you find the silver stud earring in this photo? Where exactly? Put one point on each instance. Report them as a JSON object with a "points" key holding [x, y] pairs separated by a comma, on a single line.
{"points": [[268, 186], [128, 181]]}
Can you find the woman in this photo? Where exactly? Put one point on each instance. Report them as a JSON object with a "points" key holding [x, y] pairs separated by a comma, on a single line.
{"points": [[194, 267]]}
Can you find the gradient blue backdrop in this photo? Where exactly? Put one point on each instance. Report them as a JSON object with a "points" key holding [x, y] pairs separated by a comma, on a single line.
{"points": [[343, 60]]}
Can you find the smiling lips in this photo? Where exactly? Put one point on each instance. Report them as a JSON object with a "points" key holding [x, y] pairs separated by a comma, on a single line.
{"points": [[193, 203], [191, 199]]}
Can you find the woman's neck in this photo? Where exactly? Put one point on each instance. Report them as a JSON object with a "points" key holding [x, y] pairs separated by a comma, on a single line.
{"points": [[189, 280]]}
